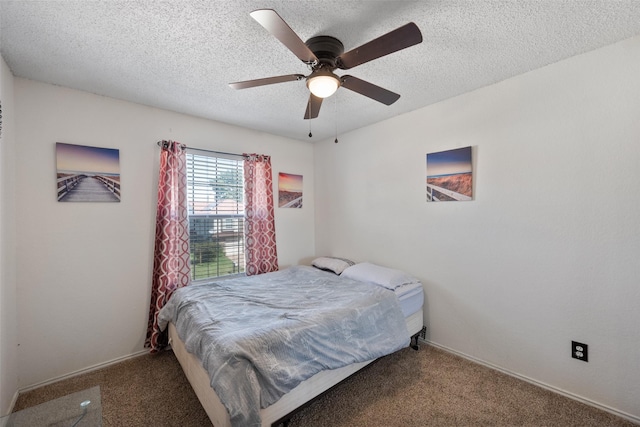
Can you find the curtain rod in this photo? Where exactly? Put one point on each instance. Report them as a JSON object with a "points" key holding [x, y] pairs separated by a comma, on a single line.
{"points": [[202, 149]]}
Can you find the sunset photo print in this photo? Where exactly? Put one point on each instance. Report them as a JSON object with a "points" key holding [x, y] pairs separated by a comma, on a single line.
{"points": [[450, 175], [289, 190], [87, 174]]}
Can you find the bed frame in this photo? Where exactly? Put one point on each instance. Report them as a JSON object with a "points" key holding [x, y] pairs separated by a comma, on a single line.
{"points": [[280, 412]]}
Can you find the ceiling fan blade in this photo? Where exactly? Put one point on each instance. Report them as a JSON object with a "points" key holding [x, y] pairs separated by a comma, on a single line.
{"points": [[313, 107], [273, 23], [374, 92], [396, 40], [266, 81]]}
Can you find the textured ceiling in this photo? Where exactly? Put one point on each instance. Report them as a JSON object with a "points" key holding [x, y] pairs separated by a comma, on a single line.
{"points": [[181, 55]]}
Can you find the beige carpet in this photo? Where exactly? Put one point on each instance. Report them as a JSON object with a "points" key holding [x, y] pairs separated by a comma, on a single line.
{"points": [[428, 387]]}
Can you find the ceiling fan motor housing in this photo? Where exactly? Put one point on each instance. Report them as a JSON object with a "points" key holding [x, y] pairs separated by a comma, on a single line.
{"points": [[326, 49]]}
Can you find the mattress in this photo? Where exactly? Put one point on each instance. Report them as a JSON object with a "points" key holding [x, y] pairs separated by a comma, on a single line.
{"points": [[411, 297]]}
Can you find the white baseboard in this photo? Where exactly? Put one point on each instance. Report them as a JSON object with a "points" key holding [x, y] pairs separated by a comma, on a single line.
{"points": [[11, 405], [81, 371], [626, 416]]}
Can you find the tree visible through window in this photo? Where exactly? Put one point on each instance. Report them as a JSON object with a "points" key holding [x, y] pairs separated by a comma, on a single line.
{"points": [[216, 214]]}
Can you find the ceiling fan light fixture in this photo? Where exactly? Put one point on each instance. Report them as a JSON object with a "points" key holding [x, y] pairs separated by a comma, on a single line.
{"points": [[323, 83]]}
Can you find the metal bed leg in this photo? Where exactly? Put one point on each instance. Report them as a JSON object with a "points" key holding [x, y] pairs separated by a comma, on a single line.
{"points": [[414, 338], [283, 423]]}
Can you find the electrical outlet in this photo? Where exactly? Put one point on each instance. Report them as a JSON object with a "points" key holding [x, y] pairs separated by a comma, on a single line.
{"points": [[580, 351]]}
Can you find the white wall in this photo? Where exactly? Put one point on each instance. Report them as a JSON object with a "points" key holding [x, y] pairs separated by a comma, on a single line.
{"points": [[84, 269], [8, 317], [547, 252]]}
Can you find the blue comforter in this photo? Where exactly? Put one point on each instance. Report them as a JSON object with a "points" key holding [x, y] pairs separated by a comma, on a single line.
{"points": [[258, 337]]}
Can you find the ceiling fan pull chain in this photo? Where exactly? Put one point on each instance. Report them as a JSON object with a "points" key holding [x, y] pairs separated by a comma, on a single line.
{"points": [[309, 108], [335, 110]]}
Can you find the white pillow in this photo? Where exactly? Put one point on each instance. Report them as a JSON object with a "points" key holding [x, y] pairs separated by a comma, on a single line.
{"points": [[383, 276], [333, 264]]}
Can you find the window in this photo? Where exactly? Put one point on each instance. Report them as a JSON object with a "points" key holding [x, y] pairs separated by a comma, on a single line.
{"points": [[215, 190]]}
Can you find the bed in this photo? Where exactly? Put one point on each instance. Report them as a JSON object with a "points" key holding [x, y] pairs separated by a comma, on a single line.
{"points": [[301, 360]]}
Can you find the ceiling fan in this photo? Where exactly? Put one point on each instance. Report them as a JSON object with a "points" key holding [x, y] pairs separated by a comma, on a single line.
{"points": [[324, 54]]}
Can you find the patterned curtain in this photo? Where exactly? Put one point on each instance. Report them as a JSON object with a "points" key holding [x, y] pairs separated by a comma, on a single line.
{"points": [[171, 254], [259, 225]]}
